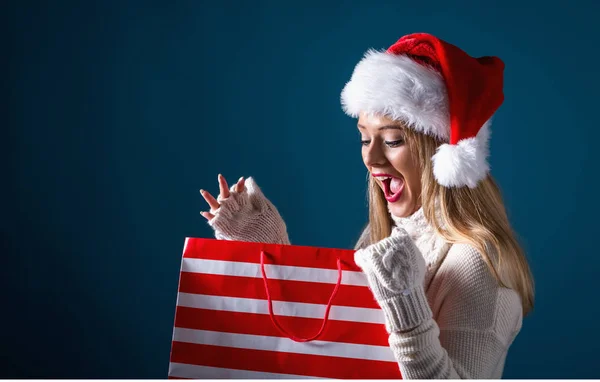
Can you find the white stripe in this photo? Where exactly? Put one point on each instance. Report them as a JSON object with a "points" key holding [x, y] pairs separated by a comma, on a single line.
{"points": [[275, 272], [182, 370], [284, 345], [280, 308], [185, 244]]}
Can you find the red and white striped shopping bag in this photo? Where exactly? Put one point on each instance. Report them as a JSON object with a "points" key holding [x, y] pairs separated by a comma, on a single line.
{"points": [[238, 318]]}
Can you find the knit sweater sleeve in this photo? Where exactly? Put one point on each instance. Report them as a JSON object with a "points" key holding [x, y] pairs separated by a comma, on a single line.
{"points": [[471, 324]]}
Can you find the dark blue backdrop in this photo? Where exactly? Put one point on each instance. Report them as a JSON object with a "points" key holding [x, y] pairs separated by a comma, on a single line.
{"points": [[119, 112]]}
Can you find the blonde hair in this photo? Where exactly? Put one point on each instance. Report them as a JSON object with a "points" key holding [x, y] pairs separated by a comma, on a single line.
{"points": [[463, 215]]}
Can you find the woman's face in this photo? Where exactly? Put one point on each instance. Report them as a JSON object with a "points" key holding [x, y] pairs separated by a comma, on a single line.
{"points": [[390, 161]]}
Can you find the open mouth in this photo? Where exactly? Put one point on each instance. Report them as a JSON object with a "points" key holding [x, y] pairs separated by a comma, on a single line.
{"points": [[392, 186]]}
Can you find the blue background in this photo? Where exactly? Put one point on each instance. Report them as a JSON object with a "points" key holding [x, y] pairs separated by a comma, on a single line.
{"points": [[117, 114]]}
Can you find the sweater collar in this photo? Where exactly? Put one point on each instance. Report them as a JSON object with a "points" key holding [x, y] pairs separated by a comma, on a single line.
{"points": [[416, 224], [430, 243]]}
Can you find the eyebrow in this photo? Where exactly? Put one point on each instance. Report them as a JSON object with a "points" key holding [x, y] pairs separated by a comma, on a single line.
{"points": [[386, 127]]}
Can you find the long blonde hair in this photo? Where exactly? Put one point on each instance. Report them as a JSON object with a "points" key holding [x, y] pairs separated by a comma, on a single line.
{"points": [[476, 216]]}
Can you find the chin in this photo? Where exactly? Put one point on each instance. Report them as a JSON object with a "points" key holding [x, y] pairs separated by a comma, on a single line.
{"points": [[401, 210], [404, 207]]}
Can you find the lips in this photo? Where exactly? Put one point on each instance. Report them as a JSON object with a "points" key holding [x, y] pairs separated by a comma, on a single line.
{"points": [[392, 186]]}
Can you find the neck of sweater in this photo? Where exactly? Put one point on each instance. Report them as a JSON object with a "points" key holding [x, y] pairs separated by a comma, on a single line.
{"points": [[429, 242], [416, 224]]}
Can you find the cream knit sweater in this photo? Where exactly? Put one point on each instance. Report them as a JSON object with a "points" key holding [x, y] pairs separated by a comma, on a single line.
{"points": [[446, 315]]}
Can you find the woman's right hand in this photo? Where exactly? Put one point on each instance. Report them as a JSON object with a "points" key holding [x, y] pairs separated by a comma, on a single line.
{"points": [[224, 193], [243, 213]]}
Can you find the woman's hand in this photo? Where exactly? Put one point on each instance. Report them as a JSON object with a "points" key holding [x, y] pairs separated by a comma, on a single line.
{"points": [[395, 271], [243, 213], [224, 193]]}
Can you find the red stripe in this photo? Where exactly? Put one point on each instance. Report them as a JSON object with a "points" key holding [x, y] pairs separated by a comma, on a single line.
{"points": [[279, 362], [261, 325], [249, 252], [281, 290]]}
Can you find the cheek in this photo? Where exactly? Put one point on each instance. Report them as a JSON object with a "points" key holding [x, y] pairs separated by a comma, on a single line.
{"points": [[415, 183], [401, 161], [415, 180], [405, 164]]}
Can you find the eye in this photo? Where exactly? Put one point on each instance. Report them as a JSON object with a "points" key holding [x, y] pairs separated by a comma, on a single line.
{"points": [[394, 143], [365, 142]]}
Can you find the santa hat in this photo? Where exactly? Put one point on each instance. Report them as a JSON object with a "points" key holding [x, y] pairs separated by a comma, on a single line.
{"points": [[439, 90]]}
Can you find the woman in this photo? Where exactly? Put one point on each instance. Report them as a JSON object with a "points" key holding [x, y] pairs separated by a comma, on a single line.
{"points": [[438, 252]]}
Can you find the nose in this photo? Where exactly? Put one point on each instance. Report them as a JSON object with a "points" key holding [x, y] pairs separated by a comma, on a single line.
{"points": [[373, 155]]}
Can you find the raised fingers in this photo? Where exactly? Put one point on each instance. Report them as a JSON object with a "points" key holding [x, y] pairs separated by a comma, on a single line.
{"points": [[223, 187], [239, 187], [207, 215], [212, 202]]}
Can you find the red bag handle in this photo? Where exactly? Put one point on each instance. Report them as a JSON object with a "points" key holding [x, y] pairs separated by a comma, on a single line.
{"points": [[272, 315]]}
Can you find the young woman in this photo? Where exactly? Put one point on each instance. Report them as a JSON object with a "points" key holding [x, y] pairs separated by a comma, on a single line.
{"points": [[438, 251]]}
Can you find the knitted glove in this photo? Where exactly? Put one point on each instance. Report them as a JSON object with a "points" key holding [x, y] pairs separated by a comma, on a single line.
{"points": [[248, 216], [395, 270]]}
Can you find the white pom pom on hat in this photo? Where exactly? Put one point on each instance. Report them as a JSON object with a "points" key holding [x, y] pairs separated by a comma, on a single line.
{"points": [[439, 90]]}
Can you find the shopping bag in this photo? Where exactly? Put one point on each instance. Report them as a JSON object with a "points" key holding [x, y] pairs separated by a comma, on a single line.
{"points": [[262, 311]]}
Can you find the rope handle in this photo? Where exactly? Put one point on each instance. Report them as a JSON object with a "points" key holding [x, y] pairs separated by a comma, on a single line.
{"points": [[327, 309]]}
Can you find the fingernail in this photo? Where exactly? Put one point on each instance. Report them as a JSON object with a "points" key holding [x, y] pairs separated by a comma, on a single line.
{"points": [[202, 191], [220, 176], [241, 177]]}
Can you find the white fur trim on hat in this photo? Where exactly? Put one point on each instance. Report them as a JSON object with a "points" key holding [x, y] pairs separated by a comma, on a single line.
{"points": [[400, 88], [463, 164]]}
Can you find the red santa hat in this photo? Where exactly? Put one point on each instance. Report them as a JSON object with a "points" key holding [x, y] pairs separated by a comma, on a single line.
{"points": [[439, 90]]}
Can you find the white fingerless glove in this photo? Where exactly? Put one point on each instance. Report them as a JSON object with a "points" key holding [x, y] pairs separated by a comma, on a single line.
{"points": [[248, 216], [395, 270]]}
